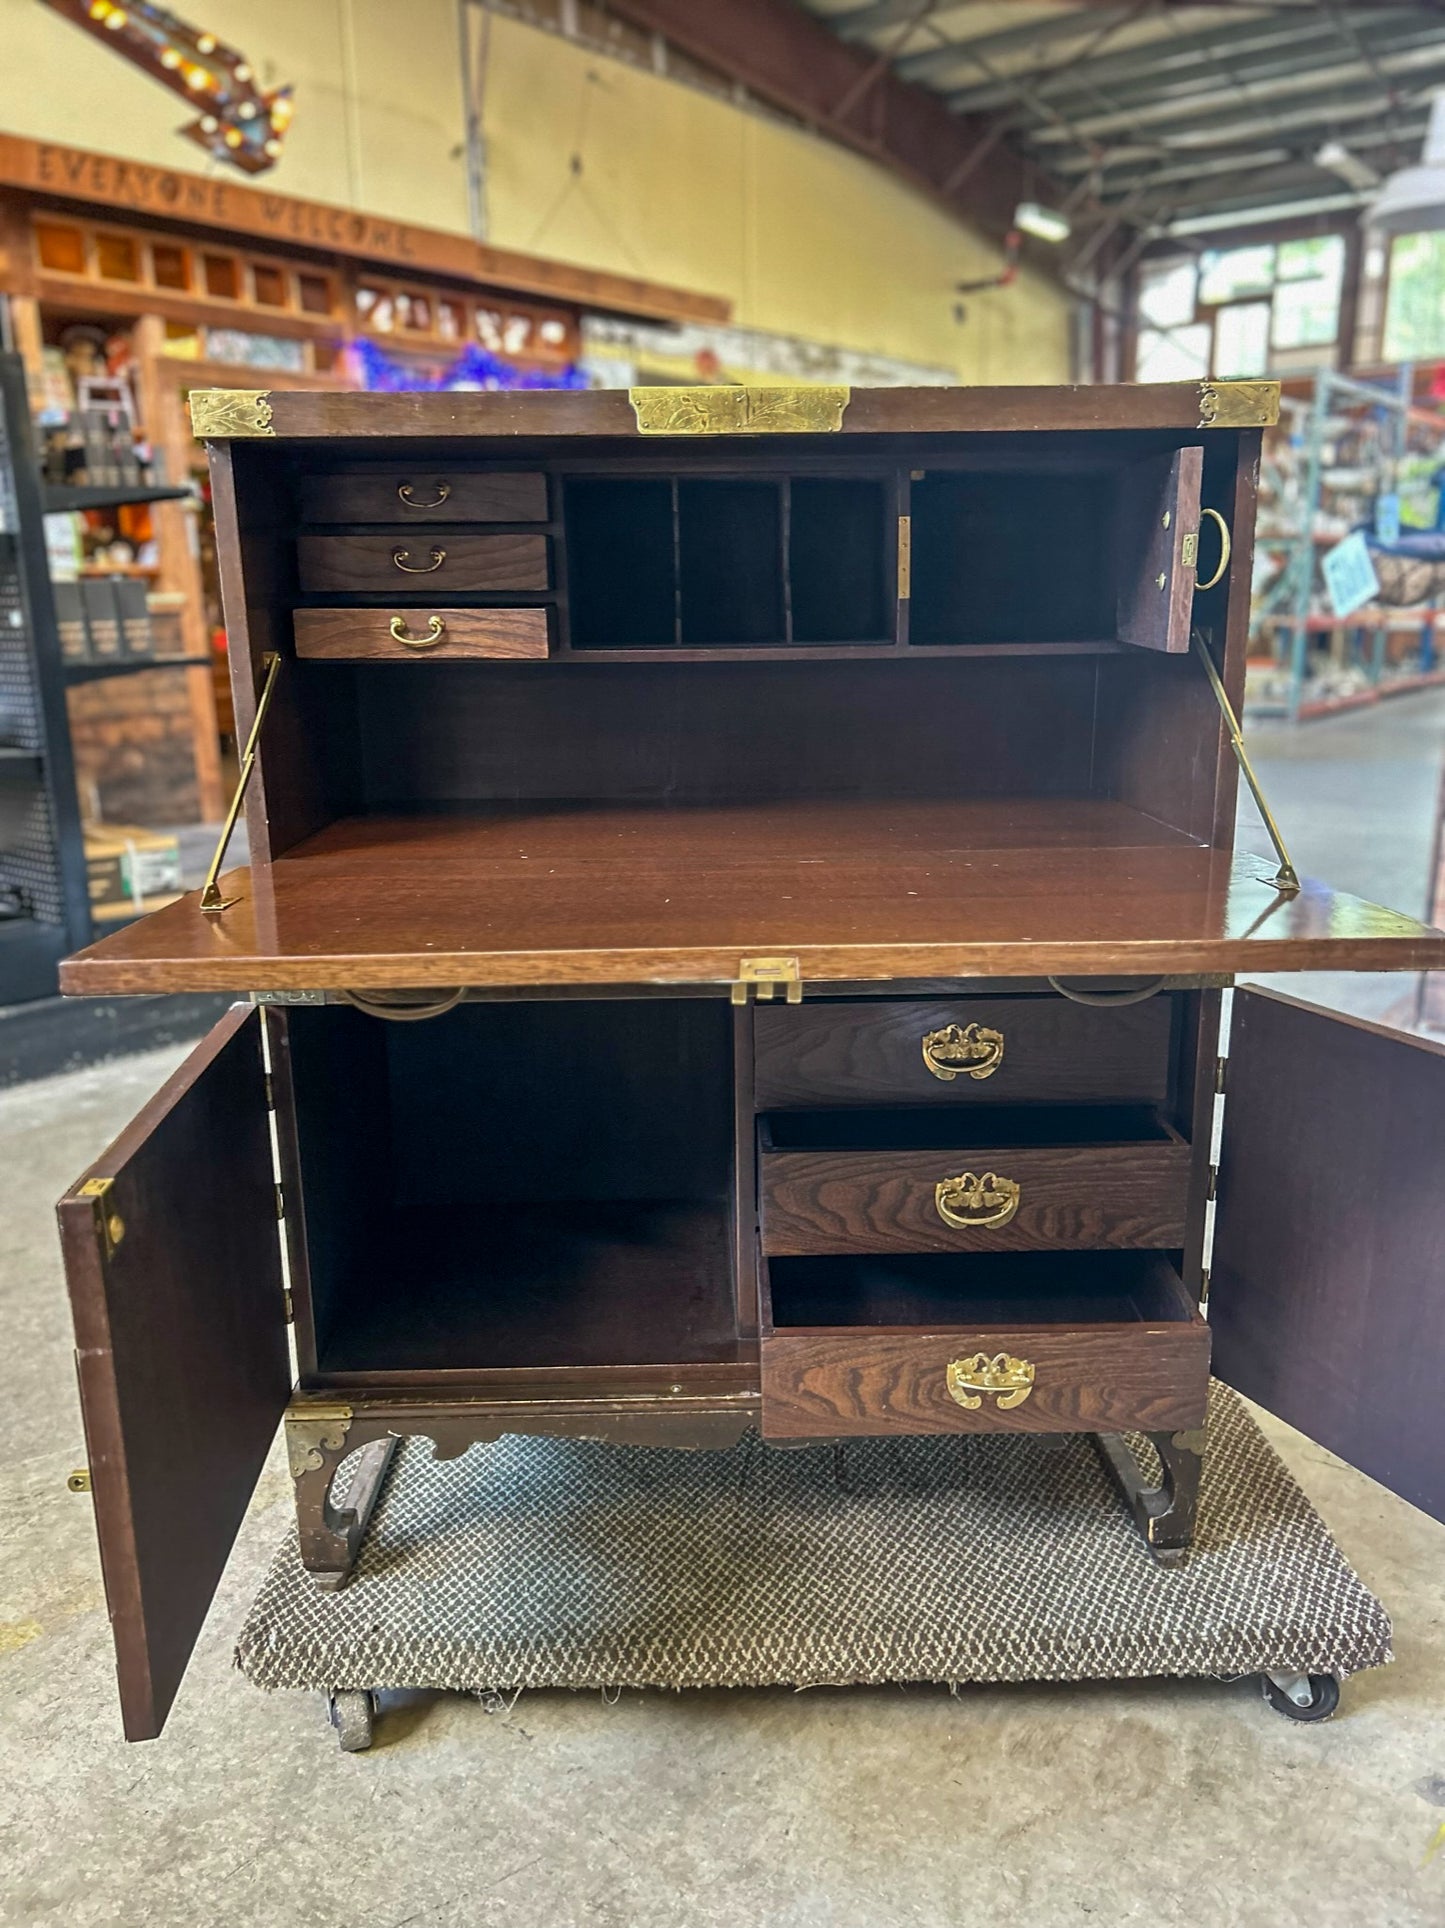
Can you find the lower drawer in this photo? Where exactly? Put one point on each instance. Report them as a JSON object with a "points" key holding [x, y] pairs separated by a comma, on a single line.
{"points": [[416, 635], [1049, 1342]]}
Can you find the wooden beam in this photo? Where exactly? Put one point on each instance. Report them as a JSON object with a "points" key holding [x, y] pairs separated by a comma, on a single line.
{"points": [[77, 175], [789, 58]]}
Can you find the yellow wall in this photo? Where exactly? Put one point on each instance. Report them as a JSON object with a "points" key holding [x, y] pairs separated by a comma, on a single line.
{"points": [[802, 236]]}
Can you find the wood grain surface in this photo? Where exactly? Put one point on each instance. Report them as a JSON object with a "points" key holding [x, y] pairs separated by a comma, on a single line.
{"points": [[871, 1053], [467, 495], [469, 562], [883, 1201], [364, 635]]}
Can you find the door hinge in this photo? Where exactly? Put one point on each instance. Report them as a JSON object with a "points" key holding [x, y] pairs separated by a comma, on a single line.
{"points": [[1204, 1289], [905, 557], [280, 1201], [763, 975], [109, 1225], [288, 1304], [1220, 1066], [1213, 1191], [270, 1092], [286, 997]]}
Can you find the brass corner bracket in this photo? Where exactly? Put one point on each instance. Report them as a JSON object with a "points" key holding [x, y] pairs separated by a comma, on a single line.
{"points": [[739, 410], [224, 414], [314, 1428], [1238, 404], [1286, 878], [212, 902]]}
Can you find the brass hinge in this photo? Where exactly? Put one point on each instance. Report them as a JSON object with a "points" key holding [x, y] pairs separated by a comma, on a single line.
{"points": [[270, 1091], [1238, 404], [905, 557], [223, 413], [263, 998], [1213, 1190], [763, 975], [280, 1202], [735, 410], [109, 1225], [1204, 1288], [1221, 1065], [288, 1305]]}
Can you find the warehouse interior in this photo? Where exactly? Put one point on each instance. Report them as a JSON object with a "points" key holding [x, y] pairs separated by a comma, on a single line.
{"points": [[1066, 215]]}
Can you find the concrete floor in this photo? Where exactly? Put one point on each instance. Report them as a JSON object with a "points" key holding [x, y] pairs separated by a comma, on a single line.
{"points": [[1159, 1803]]}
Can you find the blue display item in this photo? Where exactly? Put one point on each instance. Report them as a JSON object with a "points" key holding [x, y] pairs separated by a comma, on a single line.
{"points": [[473, 368]]}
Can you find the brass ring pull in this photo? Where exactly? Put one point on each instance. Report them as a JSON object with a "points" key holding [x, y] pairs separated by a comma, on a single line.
{"points": [[1224, 549], [404, 490], [401, 557], [435, 630], [974, 1204], [963, 1050], [1009, 1380]]}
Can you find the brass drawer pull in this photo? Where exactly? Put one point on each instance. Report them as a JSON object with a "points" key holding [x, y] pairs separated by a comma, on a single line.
{"points": [[435, 630], [443, 490], [1010, 1380], [972, 1203], [1224, 549], [972, 1049], [402, 559]]}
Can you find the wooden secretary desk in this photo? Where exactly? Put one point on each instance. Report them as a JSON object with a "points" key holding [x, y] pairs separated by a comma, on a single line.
{"points": [[741, 884]]}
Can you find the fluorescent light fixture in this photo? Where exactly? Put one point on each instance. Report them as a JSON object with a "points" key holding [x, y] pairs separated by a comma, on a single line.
{"points": [[1414, 199], [1045, 224], [1335, 158]]}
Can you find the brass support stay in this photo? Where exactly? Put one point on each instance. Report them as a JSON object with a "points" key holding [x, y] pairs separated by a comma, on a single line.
{"points": [[1286, 879], [212, 902]]}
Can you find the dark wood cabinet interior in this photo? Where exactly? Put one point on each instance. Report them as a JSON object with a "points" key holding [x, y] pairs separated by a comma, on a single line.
{"points": [[741, 924]]}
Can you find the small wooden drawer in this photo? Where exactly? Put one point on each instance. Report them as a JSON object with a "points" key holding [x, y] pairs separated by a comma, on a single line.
{"points": [[415, 565], [957, 1050], [1065, 1180], [424, 495], [419, 635], [1083, 1342]]}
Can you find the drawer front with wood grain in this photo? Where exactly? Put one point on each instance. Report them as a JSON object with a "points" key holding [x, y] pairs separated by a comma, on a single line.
{"points": [[1003, 1200], [958, 1050], [1104, 1378], [420, 565], [420, 635], [423, 495]]}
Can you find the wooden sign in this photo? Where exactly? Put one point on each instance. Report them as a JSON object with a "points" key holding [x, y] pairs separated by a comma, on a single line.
{"points": [[76, 174]]}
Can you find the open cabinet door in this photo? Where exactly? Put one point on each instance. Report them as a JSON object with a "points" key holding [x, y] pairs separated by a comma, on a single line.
{"points": [[1156, 543], [173, 1260], [1327, 1289]]}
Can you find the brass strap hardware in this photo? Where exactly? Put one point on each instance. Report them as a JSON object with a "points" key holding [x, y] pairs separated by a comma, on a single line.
{"points": [[763, 975], [1224, 549], [1238, 404], [109, 1225], [976, 1204], [79, 1480], [1006, 1379], [905, 557], [212, 902], [222, 414], [963, 1050], [739, 411], [436, 628], [402, 559], [1286, 879], [314, 1428], [409, 501]]}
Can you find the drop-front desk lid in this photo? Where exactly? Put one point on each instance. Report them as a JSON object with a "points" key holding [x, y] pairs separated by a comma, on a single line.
{"points": [[541, 894]]}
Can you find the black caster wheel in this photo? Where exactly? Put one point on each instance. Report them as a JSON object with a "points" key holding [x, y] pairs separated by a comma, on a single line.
{"points": [[1301, 1696], [353, 1715]]}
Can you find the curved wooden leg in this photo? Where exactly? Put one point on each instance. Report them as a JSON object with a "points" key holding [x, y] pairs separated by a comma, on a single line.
{"points": [[1164, 1513], [330, 1525]]}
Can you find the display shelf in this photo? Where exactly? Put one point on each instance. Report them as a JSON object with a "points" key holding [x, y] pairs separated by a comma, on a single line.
{"points": [[127, 666], [58, 498]]}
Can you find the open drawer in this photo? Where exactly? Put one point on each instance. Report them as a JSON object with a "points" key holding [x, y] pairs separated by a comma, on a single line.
{"points": [[1029, 1342]]}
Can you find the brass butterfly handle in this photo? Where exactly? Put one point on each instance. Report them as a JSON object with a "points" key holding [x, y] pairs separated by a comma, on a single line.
{"points": [[1224, 549], [435, 630], [972, 1050], [971, 1203], [1006, 1379], [402, 559], [443, 490]]}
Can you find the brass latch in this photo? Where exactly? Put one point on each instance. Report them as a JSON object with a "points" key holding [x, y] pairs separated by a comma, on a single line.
{"points": [[764, 975], [109, 1225]]}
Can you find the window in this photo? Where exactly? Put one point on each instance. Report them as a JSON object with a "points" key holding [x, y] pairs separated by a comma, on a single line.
{"points": [[1309, 277], [1241, 340], [61, 249], [451, 319], [1415, 306], [1240, 312]]}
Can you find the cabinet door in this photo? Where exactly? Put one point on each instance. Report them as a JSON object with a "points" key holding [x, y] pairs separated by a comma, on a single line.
{"points": [[1158, 511], [1327, 1294], [173, 1260]]}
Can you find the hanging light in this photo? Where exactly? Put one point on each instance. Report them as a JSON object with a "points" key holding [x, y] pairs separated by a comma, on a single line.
{"points": [[1045, 224], [1414, 199]]}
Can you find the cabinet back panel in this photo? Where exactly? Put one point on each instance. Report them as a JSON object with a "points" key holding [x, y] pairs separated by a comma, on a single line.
{"points": [[835, 561], [620, 562], [706, 732], [730, 561]]}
